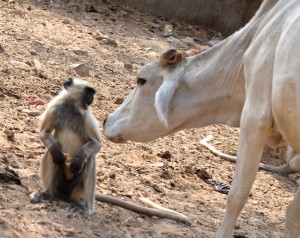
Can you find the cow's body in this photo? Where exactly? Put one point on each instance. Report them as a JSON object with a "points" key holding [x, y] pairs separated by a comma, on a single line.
{"points": [[251, 80]]}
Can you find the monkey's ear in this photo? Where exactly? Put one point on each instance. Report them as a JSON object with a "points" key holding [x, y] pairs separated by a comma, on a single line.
{"points": [[68, 83], [90, 90]]}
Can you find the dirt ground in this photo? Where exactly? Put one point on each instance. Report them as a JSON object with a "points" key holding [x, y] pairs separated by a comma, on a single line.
{"points": [[39, 43]]}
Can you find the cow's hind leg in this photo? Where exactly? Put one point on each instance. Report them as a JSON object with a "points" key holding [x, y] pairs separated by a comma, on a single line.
{"points": [[255, 130]]}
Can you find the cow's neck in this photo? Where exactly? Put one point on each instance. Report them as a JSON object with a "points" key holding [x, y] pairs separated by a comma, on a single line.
{"points": [[215, 80]]}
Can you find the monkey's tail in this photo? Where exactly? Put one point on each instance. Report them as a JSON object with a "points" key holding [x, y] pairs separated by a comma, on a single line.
{"points": [[142, 210], [282, 170]]}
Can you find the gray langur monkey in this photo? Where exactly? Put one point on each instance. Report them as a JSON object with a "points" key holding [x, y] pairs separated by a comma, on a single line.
{"points": [[71, 135], [69, 130]]}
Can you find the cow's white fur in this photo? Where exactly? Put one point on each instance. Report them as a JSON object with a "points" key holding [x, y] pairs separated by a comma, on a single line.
{"points": [[249, 80]]}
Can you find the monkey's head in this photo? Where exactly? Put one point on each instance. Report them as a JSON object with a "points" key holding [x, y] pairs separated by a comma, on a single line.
{"points": [[80, 91]]}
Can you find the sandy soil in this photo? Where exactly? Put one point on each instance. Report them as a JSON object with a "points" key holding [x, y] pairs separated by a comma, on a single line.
{"points": [[46, 40]]}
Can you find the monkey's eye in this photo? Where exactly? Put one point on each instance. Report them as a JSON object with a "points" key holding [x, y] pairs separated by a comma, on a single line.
{"points": [[141, 81]]}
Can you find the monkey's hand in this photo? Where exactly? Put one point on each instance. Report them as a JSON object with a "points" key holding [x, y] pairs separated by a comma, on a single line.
{"points": [[77, 162], [57, 155]]}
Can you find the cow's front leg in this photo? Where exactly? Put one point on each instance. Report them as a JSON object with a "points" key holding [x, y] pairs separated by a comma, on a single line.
{"points": [[293, 217], [254, 132]]}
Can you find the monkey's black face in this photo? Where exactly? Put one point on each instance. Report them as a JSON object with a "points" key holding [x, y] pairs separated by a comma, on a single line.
{"points": [[88, 96]]}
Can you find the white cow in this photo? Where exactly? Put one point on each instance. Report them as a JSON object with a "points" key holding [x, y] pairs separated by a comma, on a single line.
{"points": [[251, 80]]}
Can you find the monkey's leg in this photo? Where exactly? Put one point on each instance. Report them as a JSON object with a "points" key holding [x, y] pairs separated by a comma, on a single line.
{"points": [[78, 207], [46, 173], [86, 192]]}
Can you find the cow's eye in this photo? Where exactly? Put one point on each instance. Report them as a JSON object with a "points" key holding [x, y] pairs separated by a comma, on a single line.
{"points": [[141, 81]]}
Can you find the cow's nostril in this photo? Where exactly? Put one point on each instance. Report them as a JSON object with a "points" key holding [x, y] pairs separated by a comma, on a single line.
{"points": [[104, 121]]}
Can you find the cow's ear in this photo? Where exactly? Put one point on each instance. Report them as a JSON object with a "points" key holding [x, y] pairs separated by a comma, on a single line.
{"points": [[163, 99]]}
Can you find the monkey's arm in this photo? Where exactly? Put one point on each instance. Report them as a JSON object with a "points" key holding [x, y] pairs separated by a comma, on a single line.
{"points": [[88, 150], [48, 139]]}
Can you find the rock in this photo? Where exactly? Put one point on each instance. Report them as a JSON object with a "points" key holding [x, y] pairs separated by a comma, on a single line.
{"points": [[42, 222], [168, 30], [213, 41], [69, 232], [153, 55], [20, 65], [8, 175], [1, 49], [165, 155], [32, 113], [48, 2], [10, 135], [202, 173], [37, 65], [91, 8], [112, 175], [36, 101], [176, 42], [123, 13], [118, 100], [189, 41], [79, 51], [128, 66], [81, 69], [32, 52], [66, 21], [109, 41], [18, 12], [39, 42], [100, 36], [42, 75], [153, 25], [240, 235]]}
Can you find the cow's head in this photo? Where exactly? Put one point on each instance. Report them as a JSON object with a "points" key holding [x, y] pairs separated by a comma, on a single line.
{"points": [[152, 110]]}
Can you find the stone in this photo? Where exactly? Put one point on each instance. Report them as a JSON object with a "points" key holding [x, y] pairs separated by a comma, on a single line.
{"points": [[189, 41], [153, 55], [168, 30], [118, 100], [32, 113], [128, 66], [37, 65], [20, 65], [109, 41], [81, 69], [79, 51], [213, 41], [100, 36], [153, 25], [176, 43]]}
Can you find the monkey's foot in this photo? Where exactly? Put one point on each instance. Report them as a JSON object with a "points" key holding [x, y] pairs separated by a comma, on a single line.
{"points": [[78, 208], [37, 197]]}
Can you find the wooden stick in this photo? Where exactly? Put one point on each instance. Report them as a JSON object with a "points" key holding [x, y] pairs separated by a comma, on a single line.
{"points": [[140, 209], [151, 204], [282, 170], [205, 141]]}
